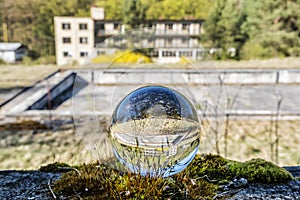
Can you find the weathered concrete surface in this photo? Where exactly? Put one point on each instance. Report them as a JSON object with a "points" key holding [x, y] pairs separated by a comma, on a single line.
{"points": [[38, 94], [197, 76], [25, 185]]}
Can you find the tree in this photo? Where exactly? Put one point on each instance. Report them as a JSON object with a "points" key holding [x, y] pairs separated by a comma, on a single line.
{"points": [[214, 30], [134, 13], [255, 28], [273, 29], [113, 9], [183, 9]]}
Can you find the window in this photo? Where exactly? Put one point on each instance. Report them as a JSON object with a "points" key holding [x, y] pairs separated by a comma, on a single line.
{"points": [[117, 40], [150, 40], [100, 53], [154, 53], [184, 41], [151, 25], [66, 26], [66, 40], [168, 54], [169, 42], [66, 54], [83, 40], [185, 27], [170, 26], [83, 26], [185, 54], [116, 26], [83, 54]]}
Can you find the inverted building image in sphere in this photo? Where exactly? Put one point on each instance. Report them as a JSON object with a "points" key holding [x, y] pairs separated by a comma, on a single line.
{"points": [[155, 131]]}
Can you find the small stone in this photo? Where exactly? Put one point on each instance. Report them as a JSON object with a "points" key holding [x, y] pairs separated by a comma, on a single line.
{"points": [[237, 183]]}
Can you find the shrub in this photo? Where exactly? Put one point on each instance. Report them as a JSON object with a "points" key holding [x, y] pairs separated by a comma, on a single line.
{"points": [[122, 57], [2, 62], [252, 50]]}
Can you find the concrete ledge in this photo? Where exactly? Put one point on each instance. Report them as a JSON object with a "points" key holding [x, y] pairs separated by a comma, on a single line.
{"points": [[233, 115], [163, 76]]}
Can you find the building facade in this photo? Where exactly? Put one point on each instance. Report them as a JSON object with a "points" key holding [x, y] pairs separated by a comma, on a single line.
{"points": [[169, 40], [74, 39]]}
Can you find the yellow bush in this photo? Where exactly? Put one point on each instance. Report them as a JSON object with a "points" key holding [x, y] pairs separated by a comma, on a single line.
{"points": [[122, 57]]}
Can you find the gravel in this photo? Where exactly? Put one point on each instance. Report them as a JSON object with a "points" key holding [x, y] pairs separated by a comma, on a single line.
{"points": [[290, 190], [27, 185]]}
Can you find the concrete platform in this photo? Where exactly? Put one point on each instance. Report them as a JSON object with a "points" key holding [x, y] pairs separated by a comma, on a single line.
{"points": [[238, 93]]}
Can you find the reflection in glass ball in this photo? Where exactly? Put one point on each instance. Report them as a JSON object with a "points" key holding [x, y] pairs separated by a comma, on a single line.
{"points": [[155, 131]]}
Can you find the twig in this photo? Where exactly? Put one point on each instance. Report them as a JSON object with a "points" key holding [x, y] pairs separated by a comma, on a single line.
{"points": [[205, 176], [79, 197], [229, 107], [49, 186], [70, 168]]}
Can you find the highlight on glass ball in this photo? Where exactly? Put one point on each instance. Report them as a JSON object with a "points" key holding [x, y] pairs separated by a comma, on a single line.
{"points": [[155, 131]]}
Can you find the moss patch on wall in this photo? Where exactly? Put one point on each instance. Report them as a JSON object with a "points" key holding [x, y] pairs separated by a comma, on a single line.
{"points": [[200, 180], [218, 168]]}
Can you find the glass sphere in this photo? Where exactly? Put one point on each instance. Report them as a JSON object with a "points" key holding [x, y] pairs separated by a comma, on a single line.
{"points": [[155, 131]]}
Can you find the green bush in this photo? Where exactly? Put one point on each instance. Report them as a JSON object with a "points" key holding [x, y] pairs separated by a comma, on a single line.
{"points": [[2, 62], [39, 61], [253, 50], [50, 59]]}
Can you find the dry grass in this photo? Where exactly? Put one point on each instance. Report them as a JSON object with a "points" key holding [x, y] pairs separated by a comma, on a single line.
{"points": [[254, 139], [29, 149], [32, 148]]}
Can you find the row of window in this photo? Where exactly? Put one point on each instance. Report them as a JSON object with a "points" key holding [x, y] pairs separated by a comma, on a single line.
{"points": [[168, 53], [84, 26], [180, 54], [152, 40], [185, 26], [81, 26], [81, 54], [82, 40]]}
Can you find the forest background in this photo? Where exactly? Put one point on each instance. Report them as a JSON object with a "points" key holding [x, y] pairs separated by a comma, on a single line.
{"points": [[256, 29]]}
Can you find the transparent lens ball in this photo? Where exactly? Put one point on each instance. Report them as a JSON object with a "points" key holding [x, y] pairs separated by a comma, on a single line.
{"points": [[155, 131]]}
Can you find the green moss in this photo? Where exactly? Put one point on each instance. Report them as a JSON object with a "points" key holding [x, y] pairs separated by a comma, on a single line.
{"points": [[212, 166], [95, 181], [218, 168], [102, 182], [55, 167], [259, 170]]}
